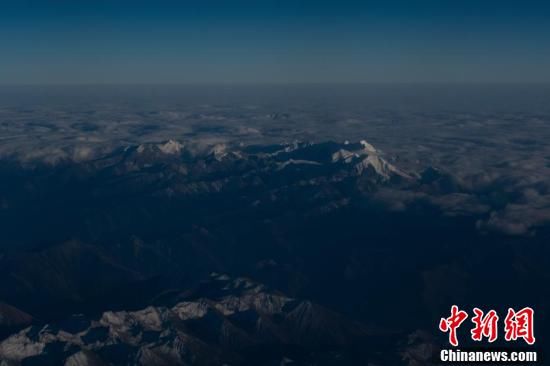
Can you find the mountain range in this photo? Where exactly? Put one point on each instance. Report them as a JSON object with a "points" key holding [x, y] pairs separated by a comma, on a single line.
{"points": [[331, 254]]}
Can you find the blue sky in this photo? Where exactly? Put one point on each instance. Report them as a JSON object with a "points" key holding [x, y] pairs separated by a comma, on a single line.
{"points": [[274, 41]]}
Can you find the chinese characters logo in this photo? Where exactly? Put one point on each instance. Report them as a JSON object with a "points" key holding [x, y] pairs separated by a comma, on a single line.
{"points": [[517, 325]]}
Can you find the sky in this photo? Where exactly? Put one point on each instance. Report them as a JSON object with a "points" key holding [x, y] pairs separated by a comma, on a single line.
{"points": [[237, 41]]}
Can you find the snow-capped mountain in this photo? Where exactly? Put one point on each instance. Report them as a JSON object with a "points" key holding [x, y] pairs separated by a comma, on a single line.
{"points": [[225, 321], [339, 225], [362, 157]]}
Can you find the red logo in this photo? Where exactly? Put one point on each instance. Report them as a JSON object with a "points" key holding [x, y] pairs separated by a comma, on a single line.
{"points": [[485, 326], [452, 323], [518, 324]]}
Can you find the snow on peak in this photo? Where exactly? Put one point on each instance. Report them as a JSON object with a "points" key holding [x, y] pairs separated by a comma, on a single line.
{"points": [[343, 155], [368, 147], [296, 162], [223, 151], [219, 151], [380, 166], [171, 147]]}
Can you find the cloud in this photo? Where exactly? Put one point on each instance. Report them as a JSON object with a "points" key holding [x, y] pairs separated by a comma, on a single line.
{"points": [[497, 157]]}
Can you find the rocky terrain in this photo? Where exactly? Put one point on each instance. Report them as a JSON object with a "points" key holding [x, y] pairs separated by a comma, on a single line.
{"points": [[123, 239], [222, 321]]}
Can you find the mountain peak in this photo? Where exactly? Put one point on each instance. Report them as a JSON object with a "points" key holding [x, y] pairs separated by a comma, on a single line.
{"points": [[368, 147], [171, 147], [210, 328]]}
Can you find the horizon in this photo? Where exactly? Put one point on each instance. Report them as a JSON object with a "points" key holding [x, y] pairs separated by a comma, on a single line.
{"points": [[273, 83]]}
